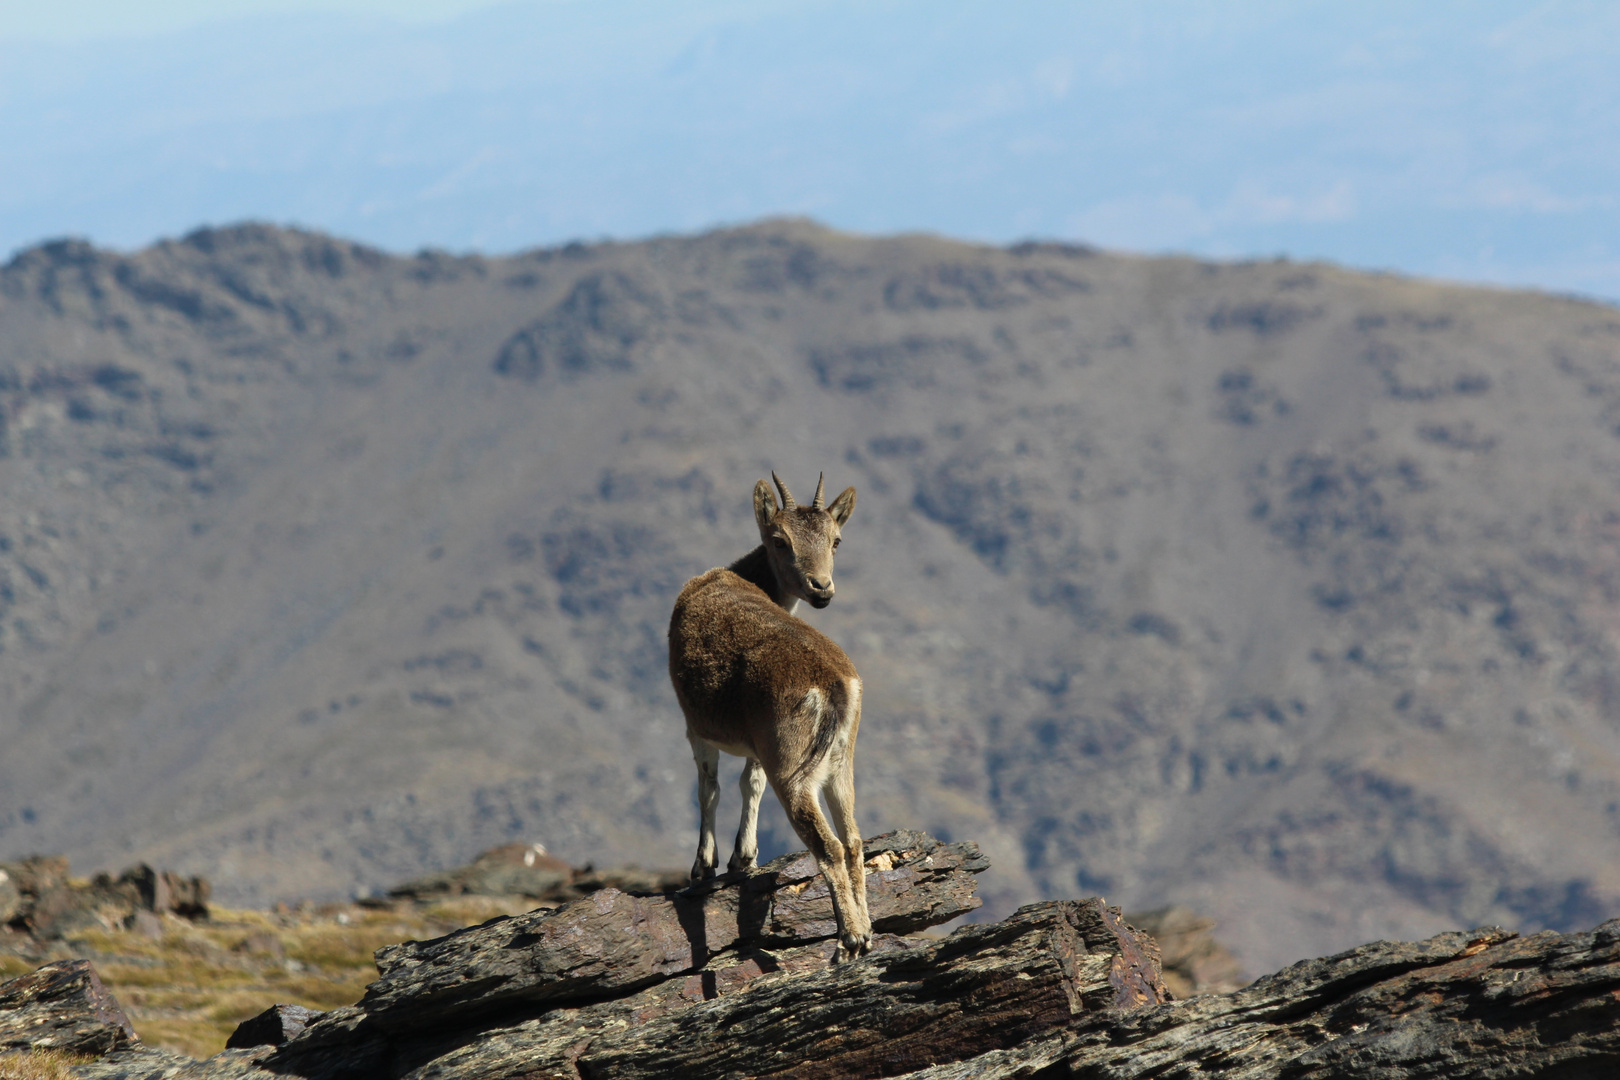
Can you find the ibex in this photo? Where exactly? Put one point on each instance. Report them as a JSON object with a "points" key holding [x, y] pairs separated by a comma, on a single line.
{"points": [[757, 682]]}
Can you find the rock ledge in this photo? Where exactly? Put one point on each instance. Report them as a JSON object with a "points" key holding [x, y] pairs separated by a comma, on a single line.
{"points": [[734, 980]]}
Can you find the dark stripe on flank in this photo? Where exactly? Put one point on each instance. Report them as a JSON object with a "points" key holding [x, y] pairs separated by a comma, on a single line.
{"points": [[833, 711]]}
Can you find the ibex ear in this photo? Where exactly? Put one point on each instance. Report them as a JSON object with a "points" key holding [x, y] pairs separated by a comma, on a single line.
{"points": [[764, 506], [843, 506]]}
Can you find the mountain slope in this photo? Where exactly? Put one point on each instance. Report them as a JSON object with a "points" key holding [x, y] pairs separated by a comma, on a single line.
{"points": [[1282, 591]]}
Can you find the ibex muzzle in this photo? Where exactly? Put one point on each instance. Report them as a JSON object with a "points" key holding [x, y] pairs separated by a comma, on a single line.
{"points": [[757, 682]]}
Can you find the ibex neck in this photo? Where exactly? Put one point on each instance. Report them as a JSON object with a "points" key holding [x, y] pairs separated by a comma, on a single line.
{"points": [[755, 567]]}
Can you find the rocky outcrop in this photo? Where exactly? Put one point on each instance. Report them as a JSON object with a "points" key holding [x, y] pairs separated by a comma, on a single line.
{"points": [[986, 988], [734, 980], [1480, 1004], [165, 891], [539, 987], [62, 1006], [587, 961], [39, 898]]}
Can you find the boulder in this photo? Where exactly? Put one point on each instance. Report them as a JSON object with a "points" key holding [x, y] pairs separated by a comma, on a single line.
{"points": [[274, 1026], [49, 905], [65, 910], [62, 1006], [164, 891]]}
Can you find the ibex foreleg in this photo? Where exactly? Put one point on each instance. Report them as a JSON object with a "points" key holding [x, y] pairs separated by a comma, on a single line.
{"points": [[708, 770], [752, 785]]}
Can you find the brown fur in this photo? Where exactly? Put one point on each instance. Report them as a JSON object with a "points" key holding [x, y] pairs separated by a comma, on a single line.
{"points": [[755, 681]]}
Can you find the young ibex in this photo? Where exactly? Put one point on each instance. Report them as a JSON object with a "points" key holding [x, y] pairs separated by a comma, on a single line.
{"points": [[756, 682]]}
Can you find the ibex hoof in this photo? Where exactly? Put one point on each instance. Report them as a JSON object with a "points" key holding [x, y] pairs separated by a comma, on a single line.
{"points": [[741, 866], [702, 871], [852, 947]]}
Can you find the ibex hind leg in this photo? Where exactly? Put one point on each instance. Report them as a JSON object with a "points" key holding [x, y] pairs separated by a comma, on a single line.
{"points": [[856, 926], [752, 785], [708, 770], [828, 851]]}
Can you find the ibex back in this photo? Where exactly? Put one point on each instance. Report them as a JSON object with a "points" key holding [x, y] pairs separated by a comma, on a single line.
{"points": [[757, 682]]}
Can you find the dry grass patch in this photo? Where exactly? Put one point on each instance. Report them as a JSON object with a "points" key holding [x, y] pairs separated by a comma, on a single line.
{"points": [[39, 1065], [12, 966], [188, 990]]}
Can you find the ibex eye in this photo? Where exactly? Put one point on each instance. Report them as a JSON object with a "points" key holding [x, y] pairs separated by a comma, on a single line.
{"points": [[781, 543], [837, 540]]}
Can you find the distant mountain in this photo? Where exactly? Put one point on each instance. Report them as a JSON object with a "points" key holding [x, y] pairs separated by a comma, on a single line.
{"points": [[1288, 593], [1473, 141]]}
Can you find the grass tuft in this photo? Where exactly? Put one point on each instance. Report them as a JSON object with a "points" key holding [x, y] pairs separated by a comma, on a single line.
{"points": [[39, 1064], [12, 966]]}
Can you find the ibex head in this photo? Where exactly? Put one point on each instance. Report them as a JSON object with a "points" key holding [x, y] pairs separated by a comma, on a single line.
{"points": [[799, 540]]}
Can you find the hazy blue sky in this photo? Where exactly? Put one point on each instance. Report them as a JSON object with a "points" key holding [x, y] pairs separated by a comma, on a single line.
{"points": [[1478, 140], [77, 20]]}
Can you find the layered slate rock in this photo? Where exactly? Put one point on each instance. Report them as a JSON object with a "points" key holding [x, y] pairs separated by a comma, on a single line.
{"points": [[62, 1006], [908, 1005], [730, 979], [985, 988], [646, 955], [1044, 994], [613, 943], [735, 980], [1482, 1004]]}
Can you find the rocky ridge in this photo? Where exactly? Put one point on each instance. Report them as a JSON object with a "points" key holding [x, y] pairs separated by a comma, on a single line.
{"points": [[733, 980]]}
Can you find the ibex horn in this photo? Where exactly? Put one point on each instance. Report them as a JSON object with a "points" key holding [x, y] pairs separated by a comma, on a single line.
{"points": [[821, 498], [787, 496]]}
